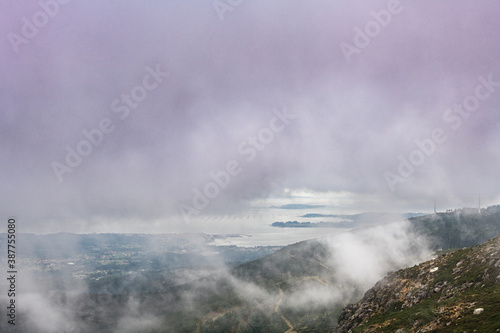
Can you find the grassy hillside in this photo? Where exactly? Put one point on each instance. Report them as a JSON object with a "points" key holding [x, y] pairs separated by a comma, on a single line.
{"points": [[456, 292], [290, 268]]}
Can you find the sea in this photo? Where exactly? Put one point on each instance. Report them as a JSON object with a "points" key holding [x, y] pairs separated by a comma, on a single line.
{"points": [[254, 227]]}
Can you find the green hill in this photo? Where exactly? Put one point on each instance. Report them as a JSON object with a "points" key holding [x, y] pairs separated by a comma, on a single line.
{"points": [[309, 265], [456, 292]]}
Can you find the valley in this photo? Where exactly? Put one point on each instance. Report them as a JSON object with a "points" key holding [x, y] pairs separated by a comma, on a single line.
{"points": [[180, 283]]}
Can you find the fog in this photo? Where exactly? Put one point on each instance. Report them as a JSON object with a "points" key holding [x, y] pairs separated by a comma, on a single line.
{"points": [[208, 116], [353, 262], [354, 117]]}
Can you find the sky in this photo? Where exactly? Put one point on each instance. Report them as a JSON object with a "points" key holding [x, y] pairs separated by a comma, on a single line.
{"points": [[158, 116]]}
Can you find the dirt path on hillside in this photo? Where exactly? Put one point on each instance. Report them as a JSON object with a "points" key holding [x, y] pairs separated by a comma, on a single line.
{"points": [[311, 260], [315, 277], [291, 328], [277, 307]]}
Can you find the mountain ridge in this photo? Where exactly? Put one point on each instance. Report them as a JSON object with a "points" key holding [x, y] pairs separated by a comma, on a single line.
{"points": [[456, 292]]}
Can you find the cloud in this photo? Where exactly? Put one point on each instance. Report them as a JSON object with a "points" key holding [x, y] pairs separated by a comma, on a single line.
{"points": [[366, 255], [225, 78], [136, 320]]}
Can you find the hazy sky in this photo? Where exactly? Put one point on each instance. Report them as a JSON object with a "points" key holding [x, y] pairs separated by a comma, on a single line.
{"points": [[323, 98]]}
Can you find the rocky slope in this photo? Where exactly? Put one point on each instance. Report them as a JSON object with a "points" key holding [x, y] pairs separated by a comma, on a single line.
{"points": [[456, 292]]}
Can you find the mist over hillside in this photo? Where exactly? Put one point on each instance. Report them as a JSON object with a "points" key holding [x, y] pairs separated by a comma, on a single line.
{"points": [[303, 286], [237, 166], [456, 292]]}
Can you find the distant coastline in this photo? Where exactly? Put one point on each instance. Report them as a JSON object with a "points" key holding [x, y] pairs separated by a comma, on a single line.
{"points": [[295, 224], [298, 206], [345, 221]]}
